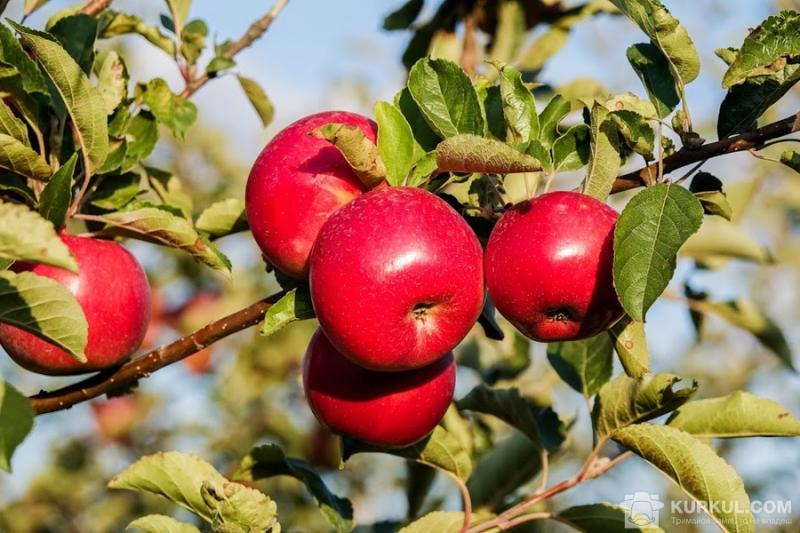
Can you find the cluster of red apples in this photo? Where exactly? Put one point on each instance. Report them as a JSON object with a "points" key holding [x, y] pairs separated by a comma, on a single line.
{"points": [[398, 278]]}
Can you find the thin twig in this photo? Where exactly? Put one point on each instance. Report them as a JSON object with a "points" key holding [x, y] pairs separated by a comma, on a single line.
{"points": [[467, 501], [253, 33], [685, 156], [141, 367], [87, 178], [691, 171]]}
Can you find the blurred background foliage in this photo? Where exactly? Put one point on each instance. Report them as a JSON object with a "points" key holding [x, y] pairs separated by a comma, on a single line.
{"points": [[245, 390]]}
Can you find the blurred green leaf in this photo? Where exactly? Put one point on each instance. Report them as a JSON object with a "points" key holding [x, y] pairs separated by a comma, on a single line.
{"points": [[269, 460], [509, 464], [77, 34], [625, 400], [439, 521], [509, 34], [606, 518], [179, 9], [694, 466], [605, 161], [630, 344], [57, 194], [169, 189], [719, 238], [115, 191], [26, 236], [585, 365], [112, 80], [471, 153], [572, 150], [396, 145], [175, 112], [218, 64], [193, 40], [45, 308], [20, 159], [404, 16], [258, 98], [141, 135], [737, 415], [791, 159], [16, 419], [653, 69], [113, 23], [16, 187], [360, 152], [159, 523], [708, 189], [33, 5], [649, 233], [223, 218], [13, 126], [294, 305], [445, 97]]}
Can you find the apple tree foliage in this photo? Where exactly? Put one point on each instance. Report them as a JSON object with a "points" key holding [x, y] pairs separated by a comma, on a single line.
{"points": [[472, 124]]}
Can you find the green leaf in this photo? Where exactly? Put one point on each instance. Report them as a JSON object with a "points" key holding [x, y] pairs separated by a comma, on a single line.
{"points": [[45, 308], [653, 69], [57, 194], [84, 103], [544, 47], [625, 400], [747, 316], [169, 188], [16, 421], [26, 236], [539, 423], [175, 112], [426, 138], [20, 159], [636, 131], [223, 218], [740, 414], [162, 225], [113, 23], [31, 79], [791, 159], [441, 450], [179, 9], [404, 16], [471, 153], [395, 142], [197, 486], [649, 233], [720, 238], [519, 107], [258, 98], [77, 34], [294, 305], [605, 161], [708, 189], [423, 169], [269, 460], [112, 81], [667, 34], [13, 126], [438, 521], [584, 365], [509, 33], [361, 153], [630, 344], [572, 150], [766, 49], [549, 119], [606, 518], [218, 64], [536, 149], [159, 523], [142, 136], [33, 5], [115, 191], [16, 187], [694, 466], [446, 98]]}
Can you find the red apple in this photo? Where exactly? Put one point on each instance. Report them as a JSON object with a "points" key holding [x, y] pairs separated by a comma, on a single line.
{"points": [[296, 183], [113, 292], [385, 408], [396, 279], [115, 417], [549, 267], [200, 309]]}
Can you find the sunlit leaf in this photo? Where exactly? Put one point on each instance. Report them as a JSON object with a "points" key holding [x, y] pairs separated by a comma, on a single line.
{"points": [[16, 421]]}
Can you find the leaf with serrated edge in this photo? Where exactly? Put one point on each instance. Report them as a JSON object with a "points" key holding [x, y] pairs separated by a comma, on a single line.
{"points": [[539, 423], [519, 107], [16, 420], [20, 159], [737, 415], [294, 305], [237, 508], [159, 523], [112, 81], [605, 160], [624, 400], [648, 234], [396, 144], [696, 468], [45, 308], [26, 236], [269, 460], [630, 344], [606, 518], [170, 109], [471, 153], [439, 450], [438, 521], [259, 99], [223, 218], [585, 365], [84, 103], [445, 97]]}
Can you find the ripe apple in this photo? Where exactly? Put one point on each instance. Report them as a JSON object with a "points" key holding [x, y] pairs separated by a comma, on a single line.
{"points": [[385, 408], [115, 417], [396, 279], [113, 292], [549, 267], [200, 309], [296, 183]]}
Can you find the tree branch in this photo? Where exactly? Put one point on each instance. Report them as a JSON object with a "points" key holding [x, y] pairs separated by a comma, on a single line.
{"points": [[256, 30], [95, 7], [683, 157], [141, 367]]}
